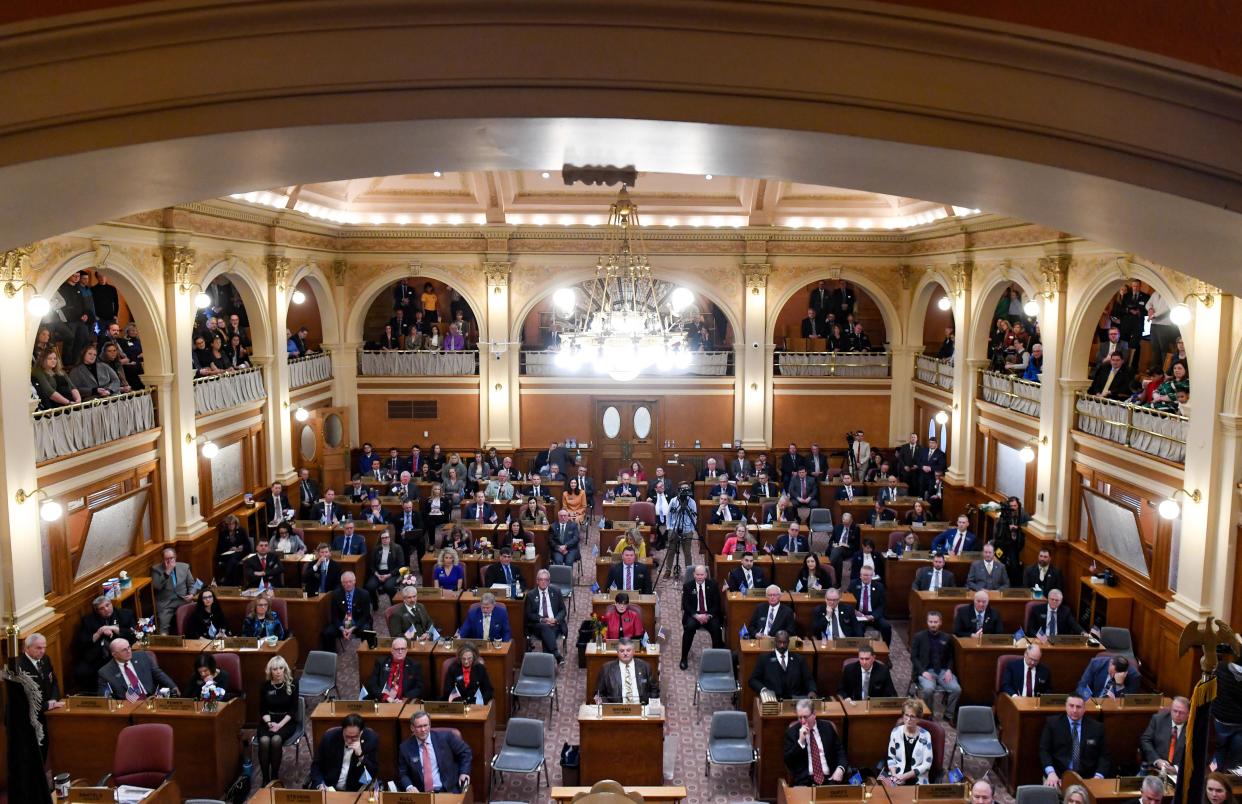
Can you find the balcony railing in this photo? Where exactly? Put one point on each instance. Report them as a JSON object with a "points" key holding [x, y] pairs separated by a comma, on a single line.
{"points": [[934, 371], [702, 364], [309, 370], [222, 391], [73, 428], [411, 363], [1144, 429], [1010, 392], [833, 364]]}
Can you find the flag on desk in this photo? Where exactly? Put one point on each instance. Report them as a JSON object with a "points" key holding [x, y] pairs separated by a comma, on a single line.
{"points": [[1195, 768], [1019, 635], [595, 588], [956, 776], [744, 632], [22, 701]]}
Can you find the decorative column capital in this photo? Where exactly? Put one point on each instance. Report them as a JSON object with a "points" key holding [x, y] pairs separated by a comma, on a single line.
{"points": [[906, 274], [14, 267], [339, 270], [1054, 272], [755, 276], [497, 274], [179, 264], [277, 270], [961, 275]]}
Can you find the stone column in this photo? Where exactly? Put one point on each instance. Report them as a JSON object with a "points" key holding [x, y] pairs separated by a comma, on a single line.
{"points": [[1062, 449], [499, 401], [276, 372], [344, 355], [1053, 454], [177, 402], [753, 363], [901, 394], [21, 553], [1228, 469], [966, 362]]}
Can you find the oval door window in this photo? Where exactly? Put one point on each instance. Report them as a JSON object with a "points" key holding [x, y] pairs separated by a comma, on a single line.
{"points": [[642, 422], [307, 440], [333, 430], [612, 422]]}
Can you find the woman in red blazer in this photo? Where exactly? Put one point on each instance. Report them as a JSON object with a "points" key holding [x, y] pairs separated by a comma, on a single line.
{"points": [[622, 621]]}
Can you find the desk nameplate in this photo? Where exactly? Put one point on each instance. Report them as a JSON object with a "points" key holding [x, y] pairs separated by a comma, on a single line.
{"points": [[850, 792], [952, 591], [89, 795], [1068, 639], [239, 643], [621, 710], [165, 641], [1052, 701], [1004, 640], [175, 705], [940, 792], [1013, 593], [282, 795], [1142, 699], [387, 797], [340, 707], [848, 643], [290, 594], [444, 707], [88, 703], [885, 704]]}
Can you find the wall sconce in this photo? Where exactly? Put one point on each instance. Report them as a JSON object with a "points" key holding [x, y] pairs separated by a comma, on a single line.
{"points": [[1181, 314], [1027, 453], [497, 387], [201, 299], [38, 306], [1169, 509], [298, 297], [944, 304], [942, 417], [754, 386], [299, 413], [208, 449], [49, 511]]}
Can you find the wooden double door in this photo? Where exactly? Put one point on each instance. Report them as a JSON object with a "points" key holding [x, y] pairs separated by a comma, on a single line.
{"points": [[624, 430]]}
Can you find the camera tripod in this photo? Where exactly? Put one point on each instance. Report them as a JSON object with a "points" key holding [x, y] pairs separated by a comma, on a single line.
{"points": [[678, 521]]}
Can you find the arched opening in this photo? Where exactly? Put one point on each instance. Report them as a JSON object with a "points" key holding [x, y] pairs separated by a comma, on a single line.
{"points": [[1011, 331], [224, 336], [420, 312], [826, 316], [304, 321], [939, 330]]}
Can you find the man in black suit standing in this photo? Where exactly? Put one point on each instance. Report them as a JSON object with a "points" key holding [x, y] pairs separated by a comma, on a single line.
{"points": [[814, 754], [396, 677], [804, 491], [909, 455], [871, 598], [1027, 678], [932, 461], [1042, 575], [978, 618], [328, 511], [348, 757], [1052, 618], [747, 576], [700, 609], [34, 663], [545, 614], [791, 462], [308, 494], [770, 617], [1073, 742], [279, 502], [782, 673], [929, 579], [821, 299], [323, 574], [866, 678], [834, 619], [1163, 743], [629, 575], [349, 612], [626, 680]]}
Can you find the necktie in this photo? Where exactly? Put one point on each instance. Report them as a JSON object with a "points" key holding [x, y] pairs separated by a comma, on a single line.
{"points": [[173, 575], [1030, 682], [767, 628], [783, 658], [543, 605], [935, 584], [1172, 743], [849, 493], [702, 600], [866, 682], [487, 626], [429, 784], [508, 576], [478, 512], [817, 767], [131, 679], [1052, 623], [957, 543], [978, 621], [323, 579], [1076, 751], [1104, 390], [627, 672], [866, 599], [263, 563], [749, 581], [803, 494], [408, 526], [629, 578], [836, 620]]}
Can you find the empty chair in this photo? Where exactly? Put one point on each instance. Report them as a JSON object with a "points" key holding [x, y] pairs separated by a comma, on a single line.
{"points": [[1037, 794], [976, 734], [319, 675], [181, 615], [536, 679], [715, 675], [643, 511], [522, 751], [728, 742], [820, 524], [143, 756], [563, 580], [1117, 640]]}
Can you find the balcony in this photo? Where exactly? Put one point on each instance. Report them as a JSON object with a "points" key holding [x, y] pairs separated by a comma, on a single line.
{"points": [[309, 370], [74, 428], [934, 371], [412, 363], [1008, 391], [223, 391], [869, 365], [1146, 430], [702, 364]]}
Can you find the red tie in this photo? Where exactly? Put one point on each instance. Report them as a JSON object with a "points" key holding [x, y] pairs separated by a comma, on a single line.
{"points": [[702, 600], [263, 563], [131, 678], [1030, 682], [866, 599], [817, 767], [803, 494], [1172, 743], [429, 784]]}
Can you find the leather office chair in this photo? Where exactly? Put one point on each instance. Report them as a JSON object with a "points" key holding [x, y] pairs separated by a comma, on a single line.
{"points": [[181, 615], [231, 664], [1001, 663], [643, 511], [143, 756]]}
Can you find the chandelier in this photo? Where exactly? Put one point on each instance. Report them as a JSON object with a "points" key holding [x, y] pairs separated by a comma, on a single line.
{"points": [[625, 321]]}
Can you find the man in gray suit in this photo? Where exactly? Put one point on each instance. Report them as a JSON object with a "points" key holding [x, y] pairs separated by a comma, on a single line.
{"points": [[987, 572], [132, 675], [1164, 740], [741, 467], [627, 680], [174, 584]]}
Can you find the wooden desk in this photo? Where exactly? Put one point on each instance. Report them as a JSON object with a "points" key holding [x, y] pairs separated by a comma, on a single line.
{"points": [[769, 737], [804, 606], [867, 732], [666, 793], [292, 567], [753, 649], [442, 607], [901, 572], [1012, 610], [644, 603], [516, 608], [785, 570], [905, 794], [924, 533], [308, 616], [81, 741], [861, 507], [469, 564], [1106, 789], [313, 533], [179, 663], [478, 729], [629, 750], [976, 666], [205, 746], [264, 795], [1124, 725], [596, 659], [499, 663], [829, 659], [420, 652], [604, 563], [389, 723], [526, 567], [615, 510], [738, 609]]}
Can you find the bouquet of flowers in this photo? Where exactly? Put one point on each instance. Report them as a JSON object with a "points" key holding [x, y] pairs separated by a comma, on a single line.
{"points": [[597, 628], [146, 627], [211, 696], [406, 578]]}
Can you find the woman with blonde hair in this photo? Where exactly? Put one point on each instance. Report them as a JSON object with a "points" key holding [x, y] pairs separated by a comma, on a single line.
{"points": [[262, 621], [448, 573], [631, 538], [52, 383], [278, 710], [909, 748], [1077, 794]]}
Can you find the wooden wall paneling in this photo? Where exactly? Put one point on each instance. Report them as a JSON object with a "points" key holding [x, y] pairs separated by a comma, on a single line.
{"points": [[456, 422], [554, 417], [823, 416]]}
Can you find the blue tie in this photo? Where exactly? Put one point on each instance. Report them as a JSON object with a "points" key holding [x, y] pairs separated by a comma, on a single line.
{"points": [[508, 576], [1076, 751], [349, 602], [323, 581], [174, 577]]}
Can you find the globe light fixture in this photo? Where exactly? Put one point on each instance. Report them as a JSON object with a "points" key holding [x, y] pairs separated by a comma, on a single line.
{"points": [[298, 297], [301, 414], [942, 417], [209, 449], [1170, 509], [38, 306], [202, 300], [1031, 308], [943, 303], [1180, 315]]}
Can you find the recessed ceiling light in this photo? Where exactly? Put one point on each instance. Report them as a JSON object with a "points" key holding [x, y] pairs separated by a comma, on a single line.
{"points": [[709, 177], [546, 175], [436, 173]]}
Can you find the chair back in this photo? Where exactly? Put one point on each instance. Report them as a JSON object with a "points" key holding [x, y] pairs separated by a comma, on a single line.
{"points": [[847, 663], [769, 509], [524, 732], [447, 730], [281, 607], [978, 720], [1118, 640], [1036, 794], [1002, 663], [643, 511], [388, 612], [821, 517], [958, 608], [937, 737], [538, 665], [729, 725], [1027, 610], [181, 615], [231, 664], [895, 537], [320, 663], [562, 576], [144, 755], [716, 660]]}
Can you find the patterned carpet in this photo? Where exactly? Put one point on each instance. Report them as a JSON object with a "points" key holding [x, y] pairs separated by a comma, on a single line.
{"points": [[685, 736]]}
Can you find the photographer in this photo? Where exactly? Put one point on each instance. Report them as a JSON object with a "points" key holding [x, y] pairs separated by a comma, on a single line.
{"points": [[683, 517]]}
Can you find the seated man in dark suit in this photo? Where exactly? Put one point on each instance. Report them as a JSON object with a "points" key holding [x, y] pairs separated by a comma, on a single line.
{"points": [[92, 645], [871, 597], [1042, 575], [979, 618], [814, 753], [723, 487], [323, 574], [1163, 743], [411, 620], [432, 762], [772, 616], [264, 567], [1108, 677], [834, 619], [486, 621], [327, 510], [762, 488], [844, 543], [881, 514], [866, 678], [132, 676], [1051, 618], [792, 542], [504, 573], [747, 576], [1056, 745], [349, 614], [783, 673], [546, 614], [1111, 379], [725, 512], [700, 609], [1027, 678], [847, 491], [349, 543], [629, 574], [626, 680], [479, 509], [396, 677], [929, 579], [347, 759], [956, 541]]}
